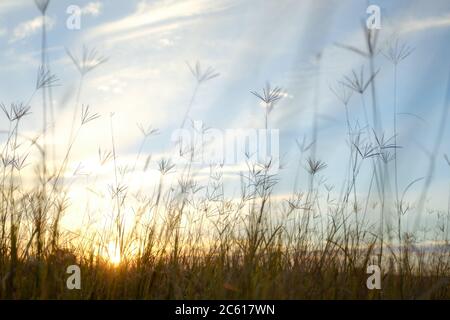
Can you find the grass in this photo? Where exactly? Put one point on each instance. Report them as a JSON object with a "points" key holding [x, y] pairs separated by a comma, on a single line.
{"points": [[190, 241]]}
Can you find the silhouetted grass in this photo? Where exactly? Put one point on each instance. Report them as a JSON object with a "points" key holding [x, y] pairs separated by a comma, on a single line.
{"points": [[190, 241]]}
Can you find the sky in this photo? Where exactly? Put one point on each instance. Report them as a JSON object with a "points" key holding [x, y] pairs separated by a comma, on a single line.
{"points": [[146, 79]]}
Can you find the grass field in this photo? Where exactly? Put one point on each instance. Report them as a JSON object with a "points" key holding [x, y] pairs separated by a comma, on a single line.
{"points": [[188, 239]]}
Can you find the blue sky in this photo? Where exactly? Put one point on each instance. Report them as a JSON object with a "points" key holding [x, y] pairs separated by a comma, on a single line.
{"points": [[249, 42]]}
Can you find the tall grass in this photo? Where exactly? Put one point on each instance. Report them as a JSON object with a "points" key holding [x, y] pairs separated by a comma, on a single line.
{"points": [[188, 239]]}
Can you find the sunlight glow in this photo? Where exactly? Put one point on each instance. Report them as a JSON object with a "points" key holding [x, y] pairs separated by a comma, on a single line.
{"points": [[113, 253]]}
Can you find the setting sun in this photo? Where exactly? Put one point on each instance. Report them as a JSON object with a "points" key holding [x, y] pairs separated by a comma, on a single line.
{"points": [[113, 253]]}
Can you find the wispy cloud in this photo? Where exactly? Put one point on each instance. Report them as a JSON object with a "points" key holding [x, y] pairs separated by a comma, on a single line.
{"points": [[157, 15], [30, 27], [92, 8], [416, 25], [10, 5]]}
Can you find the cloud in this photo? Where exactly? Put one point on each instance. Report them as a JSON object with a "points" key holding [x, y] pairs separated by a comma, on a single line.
{"points": [[163, 42], [92, 8], [10, 5], [30, 27], [158, 15], [417, 25]]}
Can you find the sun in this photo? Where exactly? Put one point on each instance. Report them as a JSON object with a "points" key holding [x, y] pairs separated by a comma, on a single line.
{"points": [[113, 253]]}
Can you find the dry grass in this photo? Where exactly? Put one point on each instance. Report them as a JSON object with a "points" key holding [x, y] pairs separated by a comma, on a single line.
{"points": [[190, 241]]}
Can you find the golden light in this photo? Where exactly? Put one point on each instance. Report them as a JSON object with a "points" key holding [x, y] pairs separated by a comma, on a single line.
{"points": [[113, 253]]}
